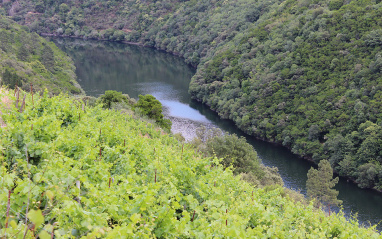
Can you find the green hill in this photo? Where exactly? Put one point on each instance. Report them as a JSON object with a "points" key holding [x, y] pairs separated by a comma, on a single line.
{"points": [[305, 74], [82, 172], [308, 77], [26, 58]]}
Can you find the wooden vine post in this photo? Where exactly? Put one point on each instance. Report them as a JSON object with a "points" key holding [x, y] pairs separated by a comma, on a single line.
{"points": [[23, 104], [17, 97], [32, 95], [226, 220], [78, 184], [8, 208], [181, 158]]}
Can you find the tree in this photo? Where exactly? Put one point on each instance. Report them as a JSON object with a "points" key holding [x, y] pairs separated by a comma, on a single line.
{"points": [[11, 79], [47, 58], [367, 174], [320, 185], [111, 96], [236, 151], [151, 107], [64, 8], [23, 53], [314, 132], [40, 8], [118, 35]]}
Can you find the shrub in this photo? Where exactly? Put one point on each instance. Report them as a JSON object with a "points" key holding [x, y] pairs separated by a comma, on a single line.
{"points": [[111, 96], [151, 107]]}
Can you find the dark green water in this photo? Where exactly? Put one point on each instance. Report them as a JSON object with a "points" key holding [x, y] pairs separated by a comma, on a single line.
{"points": [[136, 70]]}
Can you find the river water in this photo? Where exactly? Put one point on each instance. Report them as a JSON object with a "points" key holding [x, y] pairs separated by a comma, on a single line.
{"points": [[137, 70]]}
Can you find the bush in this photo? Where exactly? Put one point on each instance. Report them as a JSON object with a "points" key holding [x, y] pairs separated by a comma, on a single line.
{"points": [[151, 107], [11, 79], [111, 96], [374, 38], [336, 4], [234, 151]]}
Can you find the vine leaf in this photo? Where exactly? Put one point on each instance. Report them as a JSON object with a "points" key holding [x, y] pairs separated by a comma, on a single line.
{"points": [[44, 235], [36, 217]]}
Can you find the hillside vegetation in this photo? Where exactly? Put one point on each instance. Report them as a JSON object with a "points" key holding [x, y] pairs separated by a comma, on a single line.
{"points": [[26, 58], [74, 171], [305, 74]]}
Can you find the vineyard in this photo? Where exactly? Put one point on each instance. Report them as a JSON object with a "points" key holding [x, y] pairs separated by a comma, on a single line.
{"points": [[69, 170]]}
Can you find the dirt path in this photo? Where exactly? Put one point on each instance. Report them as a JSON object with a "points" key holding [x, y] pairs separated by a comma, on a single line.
{"points": [[4, 100]]}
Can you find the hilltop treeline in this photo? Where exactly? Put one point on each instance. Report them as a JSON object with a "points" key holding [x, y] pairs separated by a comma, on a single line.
{"points": [[26, 58], [73, 171], [305, 74]]}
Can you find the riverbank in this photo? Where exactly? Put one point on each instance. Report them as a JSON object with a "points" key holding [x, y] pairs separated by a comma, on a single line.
{"points": [[83, 38], [123, 42], [149, 71], [307, 158]]}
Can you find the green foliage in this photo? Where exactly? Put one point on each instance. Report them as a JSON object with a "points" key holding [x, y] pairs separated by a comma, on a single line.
{"points": [[301, 77], [36, 217], [297, 73], [23, 53], [320, 184], [234, 151], [237, 153], [40, 8], [112, 96], [152, 107], [374, 38], [64, 8], [335, 4], [47, 58], [10, 79], [108, 175]]}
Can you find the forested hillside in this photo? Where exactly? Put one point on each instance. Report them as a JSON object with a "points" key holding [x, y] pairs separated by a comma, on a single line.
{"points": [[73, 171], [305, 74], [26, 58]]}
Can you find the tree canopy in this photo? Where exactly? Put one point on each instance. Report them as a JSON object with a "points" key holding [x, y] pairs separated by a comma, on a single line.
{"points": [[298, 73], [112, 96], [320, 184], [152, 107], [26, 58]]}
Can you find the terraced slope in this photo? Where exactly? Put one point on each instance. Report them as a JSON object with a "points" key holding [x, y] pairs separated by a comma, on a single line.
{"points": [[87, 172], [26, 58], [305, 74]]}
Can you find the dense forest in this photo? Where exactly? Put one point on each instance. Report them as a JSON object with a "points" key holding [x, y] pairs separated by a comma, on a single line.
{"points": [[72, 169], [305, 74], [26, 58]]}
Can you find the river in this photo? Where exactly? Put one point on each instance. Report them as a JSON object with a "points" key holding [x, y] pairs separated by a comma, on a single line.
{"points": [[137, 70]]}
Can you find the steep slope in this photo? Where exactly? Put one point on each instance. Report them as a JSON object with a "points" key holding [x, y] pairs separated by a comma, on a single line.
{"points": [[191, 29], [308, 77], [86, 172], [26, 58], [305, 74]]}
